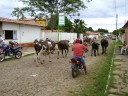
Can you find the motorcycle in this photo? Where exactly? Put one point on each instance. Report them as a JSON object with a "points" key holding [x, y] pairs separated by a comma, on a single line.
{"points": [[10, 51], [76, 65]]}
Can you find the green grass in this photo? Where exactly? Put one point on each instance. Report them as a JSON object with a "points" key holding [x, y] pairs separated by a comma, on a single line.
{"points": [[119, 42], [95, 82]]}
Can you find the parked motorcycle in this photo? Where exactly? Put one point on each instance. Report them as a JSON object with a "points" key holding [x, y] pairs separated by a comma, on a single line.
{"points": [[76, 65], [10, 51]]}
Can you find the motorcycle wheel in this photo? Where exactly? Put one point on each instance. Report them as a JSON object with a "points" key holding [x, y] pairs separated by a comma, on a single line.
{"points": [[75, 71], [18, 55], [2, 57]]}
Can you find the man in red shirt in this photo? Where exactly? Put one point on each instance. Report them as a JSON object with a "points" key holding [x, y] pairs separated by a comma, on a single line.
{"points": [[78, 50]]}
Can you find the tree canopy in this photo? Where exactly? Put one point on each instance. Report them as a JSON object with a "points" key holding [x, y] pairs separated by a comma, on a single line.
{"points": [[79, 26], [118, 31], [43, 8]]}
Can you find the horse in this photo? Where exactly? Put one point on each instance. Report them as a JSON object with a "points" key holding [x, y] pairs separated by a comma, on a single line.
{"points": [[63, 45], [95, 48], [104, 45], [43, 47]]}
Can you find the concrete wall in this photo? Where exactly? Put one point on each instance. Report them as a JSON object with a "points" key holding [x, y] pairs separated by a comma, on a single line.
{"points": [[1, 32], [122, 37], [28, 33], [92, 36], [126, 35], [25, 33], [57, 36]]}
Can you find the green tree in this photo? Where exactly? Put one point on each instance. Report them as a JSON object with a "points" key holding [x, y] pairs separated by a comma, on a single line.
{"points": [[41, 8], [118, 31], [18, 13], [68, 25], [53, 22], [79, 26], [90, 29], [102, 30]]}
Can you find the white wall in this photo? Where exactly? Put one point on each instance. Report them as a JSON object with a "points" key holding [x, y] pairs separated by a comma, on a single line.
{"points": [[92, 36], [57, 36], [28, 33], [25, 33], [122, 38]]}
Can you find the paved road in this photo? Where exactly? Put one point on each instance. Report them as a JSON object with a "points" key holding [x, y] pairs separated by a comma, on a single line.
{"points": [[21, 77]]}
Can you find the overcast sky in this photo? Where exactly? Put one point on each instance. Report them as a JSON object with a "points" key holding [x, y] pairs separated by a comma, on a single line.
{"points": [[98, 14]]}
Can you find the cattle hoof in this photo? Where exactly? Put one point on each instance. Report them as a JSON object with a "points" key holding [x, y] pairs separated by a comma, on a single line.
{"points": [[41, 63], [50, 61], [43, 60]]}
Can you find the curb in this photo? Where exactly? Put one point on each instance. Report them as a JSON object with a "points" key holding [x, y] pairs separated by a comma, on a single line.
{"points": [[27, 53]]}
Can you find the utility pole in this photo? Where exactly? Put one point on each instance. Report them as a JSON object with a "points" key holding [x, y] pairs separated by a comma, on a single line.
{"points": [[116, 20], [116, 27]]}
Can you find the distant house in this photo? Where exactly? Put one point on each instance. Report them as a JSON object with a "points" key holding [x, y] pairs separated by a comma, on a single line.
{"points": [[19, 31], [125, 27], [90, 34]]}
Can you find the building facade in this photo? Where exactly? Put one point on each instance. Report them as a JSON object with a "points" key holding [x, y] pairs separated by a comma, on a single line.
{"points": [[21, 32], [125, 27]]}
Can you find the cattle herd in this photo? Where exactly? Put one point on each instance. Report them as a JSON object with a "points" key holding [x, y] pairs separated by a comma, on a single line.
{"points": [[47, 47]]}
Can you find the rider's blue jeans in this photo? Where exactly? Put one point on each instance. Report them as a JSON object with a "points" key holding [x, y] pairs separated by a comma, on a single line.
{"points": [[81, 58]]}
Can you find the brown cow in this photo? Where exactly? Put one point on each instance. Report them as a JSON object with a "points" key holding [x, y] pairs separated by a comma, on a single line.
{"points": [[104, 45], [95, 48], [63, 45], [45, 48]]}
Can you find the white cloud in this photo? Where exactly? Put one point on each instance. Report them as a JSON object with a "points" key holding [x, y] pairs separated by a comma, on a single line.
{"points": [[102, 14], [105, 23], [99, 14]]}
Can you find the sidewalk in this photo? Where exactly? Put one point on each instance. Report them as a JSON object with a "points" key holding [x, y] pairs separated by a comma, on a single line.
{"points": [[119, 86], [27, 51]]}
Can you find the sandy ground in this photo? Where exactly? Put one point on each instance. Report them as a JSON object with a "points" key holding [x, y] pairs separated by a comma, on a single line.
{"points": [[21, 77]]}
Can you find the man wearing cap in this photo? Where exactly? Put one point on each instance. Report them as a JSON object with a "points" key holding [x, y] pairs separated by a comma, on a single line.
{"points": [[78, 50]]}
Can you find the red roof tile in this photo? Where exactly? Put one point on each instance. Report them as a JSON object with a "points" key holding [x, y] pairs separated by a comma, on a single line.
{"points": [[17, 21], [93, 33]]}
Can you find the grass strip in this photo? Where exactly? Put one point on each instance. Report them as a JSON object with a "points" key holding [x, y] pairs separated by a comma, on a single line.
{"points": [[95, 83]]}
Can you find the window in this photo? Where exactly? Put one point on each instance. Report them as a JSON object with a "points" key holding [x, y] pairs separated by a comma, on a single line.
{"points": [[10, 34]]}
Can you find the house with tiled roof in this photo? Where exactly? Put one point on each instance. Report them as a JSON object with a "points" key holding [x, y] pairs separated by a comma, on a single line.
{"points": [[19, 31], [125, 27]]}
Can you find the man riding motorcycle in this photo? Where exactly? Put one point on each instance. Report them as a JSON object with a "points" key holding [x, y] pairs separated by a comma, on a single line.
{"points": [[78, 50]]}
